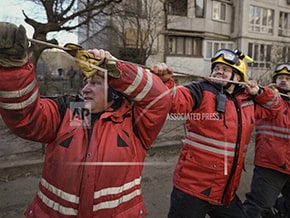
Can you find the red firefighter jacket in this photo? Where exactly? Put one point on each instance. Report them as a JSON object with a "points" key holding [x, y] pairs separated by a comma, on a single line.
{"points": [[218, 132], [273, 140], [89, 171]]}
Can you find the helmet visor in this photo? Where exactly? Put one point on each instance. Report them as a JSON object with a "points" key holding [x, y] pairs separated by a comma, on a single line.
{"points": [[282, 67], [227, 55]]}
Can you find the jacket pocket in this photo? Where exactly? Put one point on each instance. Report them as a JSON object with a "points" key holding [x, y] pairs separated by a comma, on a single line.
{"points": [[198, 173]]}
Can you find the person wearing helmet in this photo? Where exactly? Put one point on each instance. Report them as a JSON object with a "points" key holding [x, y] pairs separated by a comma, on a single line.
{"points": [[232, 59], [281, 77], [90, 168], [271, 174], [235, 69], [219, 121]]}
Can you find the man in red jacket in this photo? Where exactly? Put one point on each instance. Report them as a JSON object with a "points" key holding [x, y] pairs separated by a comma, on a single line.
{"points": [[94, 160], [219, 121], [272, 156]]}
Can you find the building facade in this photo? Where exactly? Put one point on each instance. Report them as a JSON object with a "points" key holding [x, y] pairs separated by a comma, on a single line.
{"points": [[190, 31]]}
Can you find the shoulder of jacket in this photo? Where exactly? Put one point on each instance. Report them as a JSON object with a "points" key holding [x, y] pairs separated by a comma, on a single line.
{"points": [[64, 102], [207, 86]]}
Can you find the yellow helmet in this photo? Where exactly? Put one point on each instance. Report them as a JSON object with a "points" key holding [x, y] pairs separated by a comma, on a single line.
{"points": [[281, 69], [232, 59]]}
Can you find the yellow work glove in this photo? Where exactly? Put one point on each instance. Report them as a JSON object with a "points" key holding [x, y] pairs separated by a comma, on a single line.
{"points": [[88, 64], [13, 45]]}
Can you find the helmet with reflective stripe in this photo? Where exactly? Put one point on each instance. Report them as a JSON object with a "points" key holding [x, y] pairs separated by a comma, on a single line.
{"points": [[231, 59]]}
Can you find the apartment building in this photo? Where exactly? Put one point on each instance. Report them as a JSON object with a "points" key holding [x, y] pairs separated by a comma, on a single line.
{"points": [[190, 31]]}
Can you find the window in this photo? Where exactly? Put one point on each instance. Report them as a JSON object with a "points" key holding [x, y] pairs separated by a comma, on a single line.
{"points": [[199, 8], [135, 37], [219, 11], [184, 46], [286, 54], [213, 46], [284, 24], [261, 20], [261, 53], [175, 7], [135, 55], [134, 7]]}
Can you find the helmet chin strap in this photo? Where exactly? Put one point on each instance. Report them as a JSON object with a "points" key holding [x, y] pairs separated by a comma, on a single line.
{"points": [[285, 91], [229, 84]]}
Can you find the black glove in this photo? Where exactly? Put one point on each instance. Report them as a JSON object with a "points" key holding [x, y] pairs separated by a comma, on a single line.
{"points": [[13, 45]]}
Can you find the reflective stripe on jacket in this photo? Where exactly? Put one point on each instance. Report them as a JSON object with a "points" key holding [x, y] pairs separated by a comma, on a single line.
{"points": [[273, 140], [89, 171], [214, 148]]}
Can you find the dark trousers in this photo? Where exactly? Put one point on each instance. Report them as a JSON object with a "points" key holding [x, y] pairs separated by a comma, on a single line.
{"points": [[266, 186], [187, 206], [282, 205]]}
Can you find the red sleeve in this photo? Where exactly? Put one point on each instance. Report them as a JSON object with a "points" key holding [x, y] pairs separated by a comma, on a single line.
{"points": [[21, 107], [152, 99], [268, 104], [182, 101]]}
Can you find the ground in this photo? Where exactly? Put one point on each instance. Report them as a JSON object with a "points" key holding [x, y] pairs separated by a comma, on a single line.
{"points": [[21, 163]]}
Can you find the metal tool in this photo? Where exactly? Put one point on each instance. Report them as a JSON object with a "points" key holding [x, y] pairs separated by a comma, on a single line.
{"points": [[180, 73]]}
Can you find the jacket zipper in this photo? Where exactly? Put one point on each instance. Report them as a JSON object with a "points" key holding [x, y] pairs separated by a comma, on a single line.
{"points": [[237, 148]]}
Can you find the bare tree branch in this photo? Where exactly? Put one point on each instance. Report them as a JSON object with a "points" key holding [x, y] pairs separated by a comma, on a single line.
{"points": [[63, 15]]}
